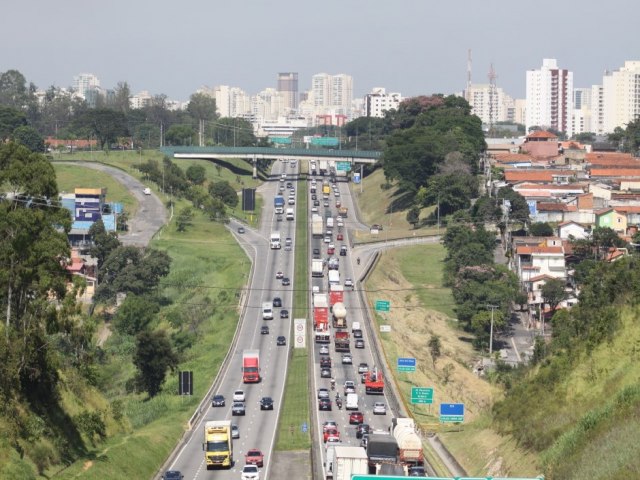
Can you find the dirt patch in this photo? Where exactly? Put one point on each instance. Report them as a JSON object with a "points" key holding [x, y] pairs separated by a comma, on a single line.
{"points": [[87, 465]]}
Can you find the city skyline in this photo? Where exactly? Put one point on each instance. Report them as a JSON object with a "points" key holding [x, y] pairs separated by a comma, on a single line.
{"points": [[414, 47]]}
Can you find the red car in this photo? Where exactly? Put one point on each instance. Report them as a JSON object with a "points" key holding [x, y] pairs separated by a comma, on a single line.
{"points": [[356, 418], [340, 236], [254, 457], [331, 250], [331, 433]]}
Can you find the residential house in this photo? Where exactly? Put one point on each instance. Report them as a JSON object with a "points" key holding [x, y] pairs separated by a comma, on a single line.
{"points": [[578, 231], [613, 219], [547, 258]]}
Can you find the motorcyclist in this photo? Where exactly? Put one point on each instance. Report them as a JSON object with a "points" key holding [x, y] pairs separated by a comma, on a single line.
{"points": [[358, 260], [333, 384]]}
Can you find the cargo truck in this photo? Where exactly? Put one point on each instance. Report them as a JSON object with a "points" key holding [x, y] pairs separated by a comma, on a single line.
{"points": [[317, 226], [218, 445], [274, 241], [342, 211], [321, 318], [323, 166], [381, 449], [374, 382], [334, 277], [278, 203], [336, 294], [409, 443], [343, 462], [317, 268], [251, 366], [339, 315], [326, 189], [341, 341]]}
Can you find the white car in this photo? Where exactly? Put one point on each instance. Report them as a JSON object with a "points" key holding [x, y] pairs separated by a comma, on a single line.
{"points": [[327, 239], [379, 408], [314, 209], [349, 387], [348, 283], [147, 191], [346, 359], [238, 396], [324, 350], [250, 472]]}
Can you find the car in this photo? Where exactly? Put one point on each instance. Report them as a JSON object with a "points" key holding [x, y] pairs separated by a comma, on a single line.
{"points": [[340, 236], [336, 193], [326, 204], [286, 282], [331, 250], [348, 283], [284, 313], [376, 226], [218, 401], [289, 185], [277, 302], [323, 393], [357, 333], [379, 408], [238, 408], [324, 350], [349, 387], [330, 431], [325, 373], [279, 275], [332, 245], [279, 218], [291, 201], [281, 188], [281, 341], [235, 431], [356, 418], [417, 471], [172, 475], [347, 359], [314, 209], [240, 229], [287, 248], [250, 472], [238, 396], [343, 250], [316, 253], [266, 403], [324, 404], [325, 362], [316, 203], [359, 343], [288, 241], [264, 330], [363, 367], [362, 429], [327, 239]]}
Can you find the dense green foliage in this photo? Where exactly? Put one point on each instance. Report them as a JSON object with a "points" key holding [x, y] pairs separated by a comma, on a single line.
{"points": [[628, 139]]}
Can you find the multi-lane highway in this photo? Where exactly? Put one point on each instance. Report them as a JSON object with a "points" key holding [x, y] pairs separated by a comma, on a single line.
{"points": [[257, 427]]}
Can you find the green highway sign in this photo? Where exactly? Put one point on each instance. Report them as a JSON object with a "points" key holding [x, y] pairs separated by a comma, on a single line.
{"points": [[343, 166], [423, 395], [325, 141], [383, 305]]}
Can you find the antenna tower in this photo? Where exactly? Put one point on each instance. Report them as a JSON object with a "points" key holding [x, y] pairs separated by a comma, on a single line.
{"points": [[493, 98], [467, 93]]}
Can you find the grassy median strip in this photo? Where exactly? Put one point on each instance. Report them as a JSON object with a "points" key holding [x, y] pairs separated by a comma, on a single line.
{"points": [[295, 410]]}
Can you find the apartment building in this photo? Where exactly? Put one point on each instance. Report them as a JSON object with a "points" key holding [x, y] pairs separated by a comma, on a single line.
{"points": [[550, 97]]}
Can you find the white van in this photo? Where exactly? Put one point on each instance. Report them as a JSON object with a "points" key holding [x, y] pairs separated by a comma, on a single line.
{"points": [[352, 401], [355, 326], [267, 311], [330, 222]]}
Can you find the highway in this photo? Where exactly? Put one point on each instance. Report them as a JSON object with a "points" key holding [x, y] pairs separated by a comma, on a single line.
{"points": [[257, 428]]}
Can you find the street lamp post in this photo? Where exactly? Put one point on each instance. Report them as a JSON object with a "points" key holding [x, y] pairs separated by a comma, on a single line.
{"points": [[492, 307]]}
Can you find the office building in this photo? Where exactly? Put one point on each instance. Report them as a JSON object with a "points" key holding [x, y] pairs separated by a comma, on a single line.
{"points": [[288, 87]]}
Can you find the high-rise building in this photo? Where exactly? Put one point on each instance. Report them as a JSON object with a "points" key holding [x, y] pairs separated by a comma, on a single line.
{"points": [[85, 82], [321, 90], [342, 93], [379, 101], [490, 103], [550, 98], [288, 87], [621, 96]]}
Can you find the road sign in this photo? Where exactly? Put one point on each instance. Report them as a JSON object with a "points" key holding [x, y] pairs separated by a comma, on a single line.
{"points": [[304, 427], [385, 328], [422, 395], [452, 412], [343, 166], [300, 332], [325, 141], [406, 364], [356, 178], [383, 305]]}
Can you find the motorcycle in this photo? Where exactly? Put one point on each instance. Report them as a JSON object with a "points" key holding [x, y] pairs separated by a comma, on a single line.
{"points": [[333, 384], [339, 403]]}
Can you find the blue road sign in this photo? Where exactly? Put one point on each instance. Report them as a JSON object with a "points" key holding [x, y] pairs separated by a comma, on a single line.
{"points": [[304, 428], [406, 364], [452, 412]]}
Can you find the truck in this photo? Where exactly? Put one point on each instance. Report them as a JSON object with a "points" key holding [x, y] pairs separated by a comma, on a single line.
{"points": [[333, 264], [374, 382], [336, 294], [339, 315], [321, 318], [323, 166], [409, 443], [218, 445], [381, 449], [251, 366], [274, 241], [289, 215], [343, 462], [342, 211], [317, 268], [334, 277], [341, 341], [326, 189], [278, 203], [317, 226]]}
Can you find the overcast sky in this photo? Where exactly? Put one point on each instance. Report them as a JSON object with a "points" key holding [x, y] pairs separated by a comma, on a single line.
{"points": [[408, 46]]}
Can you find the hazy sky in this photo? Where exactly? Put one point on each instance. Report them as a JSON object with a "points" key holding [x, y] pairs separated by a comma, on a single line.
{"points": [[408, 46]]}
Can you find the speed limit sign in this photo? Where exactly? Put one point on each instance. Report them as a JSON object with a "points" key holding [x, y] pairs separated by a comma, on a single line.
{"points": [[300, 326]]}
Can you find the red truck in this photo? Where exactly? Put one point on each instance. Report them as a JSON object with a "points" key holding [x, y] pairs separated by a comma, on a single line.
{"points": [[341, 340], [373, 382], [336, 294], [251, 366], [321, 318]]}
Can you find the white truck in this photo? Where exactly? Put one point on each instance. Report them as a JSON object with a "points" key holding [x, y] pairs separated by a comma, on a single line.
{"points": [[317, 268], [267, 311], [289, 215], [274, 241], [343, 462], [330, 222], [352, 401], [409, 443], [334, 277], [316, 226]]}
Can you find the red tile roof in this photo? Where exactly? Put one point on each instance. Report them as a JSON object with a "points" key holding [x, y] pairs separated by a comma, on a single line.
{"points": [[535, 175], [556, 207], [541, 134], [615, 172], [527, 250], [614, 159], [511, 157]]}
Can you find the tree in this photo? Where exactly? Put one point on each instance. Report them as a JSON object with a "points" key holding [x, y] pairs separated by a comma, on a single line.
{"points": [[519, 210], [541, 229], [184, 219], [224, 191], [413, 215], [153, 357], [122, 94], [30, 138], [233, 132], [13, 90], [628, 139], [196, 174], [103, 242], [135, 314], [179, 135], [106, 124], [435, 348], [553, 292], [10, 120], [202, 107]]}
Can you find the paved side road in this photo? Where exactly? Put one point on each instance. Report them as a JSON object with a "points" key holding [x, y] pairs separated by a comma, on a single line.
{"points": [[151, 215]]}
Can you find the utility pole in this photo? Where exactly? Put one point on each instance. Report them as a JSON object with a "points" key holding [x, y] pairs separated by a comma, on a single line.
{"points": [[492, 307]]}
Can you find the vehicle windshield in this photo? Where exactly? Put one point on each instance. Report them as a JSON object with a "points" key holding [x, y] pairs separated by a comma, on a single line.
{"points": [[251, 369], [218, 446]]}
